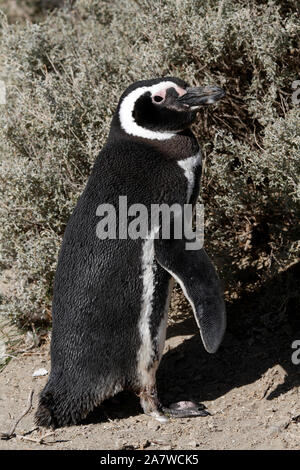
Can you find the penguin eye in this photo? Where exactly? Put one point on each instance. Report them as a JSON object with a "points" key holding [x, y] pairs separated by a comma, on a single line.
{"points": [[157, 99]]}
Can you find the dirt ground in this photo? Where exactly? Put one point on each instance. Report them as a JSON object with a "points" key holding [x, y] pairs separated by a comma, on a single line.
{"points": [[251, 388]]}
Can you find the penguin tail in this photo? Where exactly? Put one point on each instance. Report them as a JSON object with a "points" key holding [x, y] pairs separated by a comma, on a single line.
{"points": [[59, 406], [45, 414]]}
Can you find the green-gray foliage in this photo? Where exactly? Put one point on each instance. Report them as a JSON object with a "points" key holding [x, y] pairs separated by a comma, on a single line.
{"points": [[64, 75]]}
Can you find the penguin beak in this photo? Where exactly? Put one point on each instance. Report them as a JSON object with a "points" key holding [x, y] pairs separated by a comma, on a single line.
{"points": [[198, 96]]}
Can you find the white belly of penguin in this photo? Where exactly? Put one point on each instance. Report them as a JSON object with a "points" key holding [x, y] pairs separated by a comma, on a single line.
{"points": [[189, 165], [148, 359]]}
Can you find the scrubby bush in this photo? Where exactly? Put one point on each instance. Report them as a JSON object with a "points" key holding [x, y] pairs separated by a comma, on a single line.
{"points": [[64, 75], [23, 10]]}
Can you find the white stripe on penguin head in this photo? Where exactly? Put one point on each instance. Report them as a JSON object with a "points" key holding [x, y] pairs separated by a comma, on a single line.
{"points": [[127, 106]]}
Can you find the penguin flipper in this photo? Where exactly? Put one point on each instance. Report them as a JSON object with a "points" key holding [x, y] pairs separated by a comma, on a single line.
{"points": [[197, 277]]}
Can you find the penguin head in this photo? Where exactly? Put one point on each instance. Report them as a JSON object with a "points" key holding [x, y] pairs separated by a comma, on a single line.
{"points": [[159, 108]]}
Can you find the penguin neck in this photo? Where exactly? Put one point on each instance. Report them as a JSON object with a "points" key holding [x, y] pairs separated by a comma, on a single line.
{"points": [[180, 146]]}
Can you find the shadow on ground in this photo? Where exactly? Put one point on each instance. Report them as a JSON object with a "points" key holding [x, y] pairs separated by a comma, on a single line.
{"points": [[261, 328], [122, 406]]}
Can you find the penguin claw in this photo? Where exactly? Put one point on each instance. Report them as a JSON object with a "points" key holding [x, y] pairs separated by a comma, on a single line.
{"points": [[161, 418]]}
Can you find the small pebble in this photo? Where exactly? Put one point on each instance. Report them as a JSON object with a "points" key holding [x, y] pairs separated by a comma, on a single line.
{"points": [[40, 372]]}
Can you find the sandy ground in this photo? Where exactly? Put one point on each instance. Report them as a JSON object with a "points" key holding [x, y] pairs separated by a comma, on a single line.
{"points": [[251, 392]]}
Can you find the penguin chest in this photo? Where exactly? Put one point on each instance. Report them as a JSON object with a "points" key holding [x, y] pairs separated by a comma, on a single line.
{"points": [[190, 166]]}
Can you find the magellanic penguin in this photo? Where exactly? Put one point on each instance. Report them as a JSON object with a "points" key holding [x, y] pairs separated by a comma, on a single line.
{"points": [[111, 295]]}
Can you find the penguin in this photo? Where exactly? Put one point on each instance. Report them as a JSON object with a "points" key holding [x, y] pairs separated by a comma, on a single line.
{"points": [[111, 294]]}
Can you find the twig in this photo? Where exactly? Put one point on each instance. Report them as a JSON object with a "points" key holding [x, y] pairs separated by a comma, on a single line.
{"points": [[11, 433], [30, 431], [220, 9], [37, 441]]}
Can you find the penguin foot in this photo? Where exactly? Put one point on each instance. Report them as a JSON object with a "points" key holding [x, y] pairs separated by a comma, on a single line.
{"points": [[185, 409], [181, 409], [152, 406]]}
